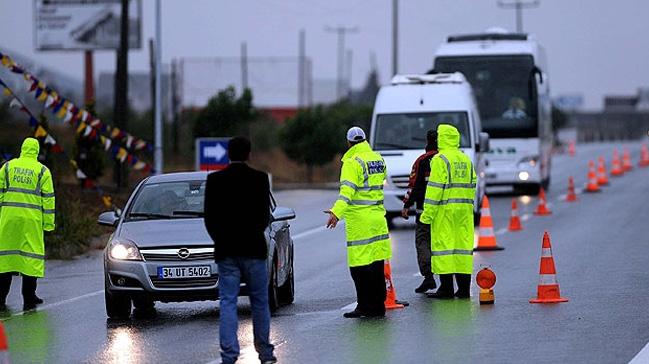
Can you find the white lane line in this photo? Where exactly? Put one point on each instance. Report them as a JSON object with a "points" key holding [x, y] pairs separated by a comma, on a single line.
{"points": [[525, 217], [60, 303], [417, 275], [642, 357], [350, 306], [309, 232], [500, 231]]}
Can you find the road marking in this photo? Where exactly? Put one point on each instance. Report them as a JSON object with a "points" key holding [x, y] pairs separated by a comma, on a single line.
{"points": [[417, 275], [525, 217], [60, 303], [309, 232], [642, 357], [500, 231]]}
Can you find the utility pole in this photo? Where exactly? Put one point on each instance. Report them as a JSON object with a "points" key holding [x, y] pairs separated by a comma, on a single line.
{"points": [[175, 105], [152, 79], [348, 83], [120, 110], [244, 66], [341, 32], [301, 71], [157, 155], [395, 37], [518, 6]]}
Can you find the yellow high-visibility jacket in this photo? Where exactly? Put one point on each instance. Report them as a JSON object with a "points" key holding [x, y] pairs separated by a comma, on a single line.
{"points": [[26, 209], [448, 205], [360, 203]]}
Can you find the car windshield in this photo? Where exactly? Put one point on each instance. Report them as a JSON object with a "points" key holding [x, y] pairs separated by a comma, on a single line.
{"points": [[169, 200], [408, 130], [502, 88]]}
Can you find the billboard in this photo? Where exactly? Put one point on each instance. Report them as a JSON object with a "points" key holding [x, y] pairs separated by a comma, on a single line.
{"points": [[211, 154], [84, 24]]}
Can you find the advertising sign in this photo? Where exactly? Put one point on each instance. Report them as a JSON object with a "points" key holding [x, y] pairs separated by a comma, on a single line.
{"points": [[212, 154], [84, 24]]}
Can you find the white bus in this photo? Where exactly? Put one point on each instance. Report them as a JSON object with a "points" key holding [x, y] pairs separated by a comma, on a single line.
{"points": [[508, 73]]}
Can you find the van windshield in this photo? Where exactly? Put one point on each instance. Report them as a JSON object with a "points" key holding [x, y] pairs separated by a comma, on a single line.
{"points": [[408, 130]]}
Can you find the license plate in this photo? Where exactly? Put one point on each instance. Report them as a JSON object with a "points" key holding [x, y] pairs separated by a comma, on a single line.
{"points": [[491, 175], [201, 271]]}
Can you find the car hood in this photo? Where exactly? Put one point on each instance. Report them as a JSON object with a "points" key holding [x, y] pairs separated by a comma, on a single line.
{"points": [[162, 233]]}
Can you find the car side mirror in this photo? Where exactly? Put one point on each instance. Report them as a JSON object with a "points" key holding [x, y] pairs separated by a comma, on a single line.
{"points": [[108, 218], [483, 142], [283, 214]]}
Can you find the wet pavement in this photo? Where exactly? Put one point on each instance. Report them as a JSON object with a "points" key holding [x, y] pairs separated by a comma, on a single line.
{"points": [[600, 246]]}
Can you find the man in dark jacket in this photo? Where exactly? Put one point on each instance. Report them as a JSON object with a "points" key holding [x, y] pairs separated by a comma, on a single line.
{"points": [[415, 196], [237, 212]]}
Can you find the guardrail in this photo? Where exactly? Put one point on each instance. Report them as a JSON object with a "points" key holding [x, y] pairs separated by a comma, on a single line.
{"points": [[608, 126]]}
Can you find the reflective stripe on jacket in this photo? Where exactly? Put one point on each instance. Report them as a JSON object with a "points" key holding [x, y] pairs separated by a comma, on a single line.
{"points": [[448, 205], [26, 209], [360, 203]]}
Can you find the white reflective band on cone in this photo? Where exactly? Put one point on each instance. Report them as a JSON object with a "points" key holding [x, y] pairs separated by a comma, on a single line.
{"points": [[486, 231], [546, 252], [485, 211], [547, 279]]}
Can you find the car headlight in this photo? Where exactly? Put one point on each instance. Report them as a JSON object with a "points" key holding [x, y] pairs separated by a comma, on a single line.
{"points": [[124, 250], [529, 161]]}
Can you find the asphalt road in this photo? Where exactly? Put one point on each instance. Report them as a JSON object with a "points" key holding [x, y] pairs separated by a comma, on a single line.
{"points": [[600, 246]]}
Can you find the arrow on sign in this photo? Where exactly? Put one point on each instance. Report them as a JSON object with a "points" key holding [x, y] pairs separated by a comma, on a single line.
{"points": [[217, 152]]}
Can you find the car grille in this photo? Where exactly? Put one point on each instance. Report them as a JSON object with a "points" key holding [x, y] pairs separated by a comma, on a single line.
{"points": [[400, 181], [184, 282], [171, 255]]}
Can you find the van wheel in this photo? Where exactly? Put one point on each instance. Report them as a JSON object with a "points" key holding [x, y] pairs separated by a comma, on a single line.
{"points": [[273, 300], [118, 306]]}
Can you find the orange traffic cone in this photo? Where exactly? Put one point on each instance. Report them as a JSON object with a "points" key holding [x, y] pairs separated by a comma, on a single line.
{"points": [[616, 169], [548, 288], [391, 293], [542, 208], [644, 156], [571, 196], [486, 236], [626, 161], [592, 185], [571, 148], [514, 220], [4, 348], [602, 178]]}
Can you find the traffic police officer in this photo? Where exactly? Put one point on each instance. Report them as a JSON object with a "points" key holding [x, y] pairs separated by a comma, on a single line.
{"points": [[360, 203], [26, 210], [448, 207]]}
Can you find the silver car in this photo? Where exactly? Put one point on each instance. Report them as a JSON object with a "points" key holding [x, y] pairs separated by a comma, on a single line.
{"points": [[160, 250]]}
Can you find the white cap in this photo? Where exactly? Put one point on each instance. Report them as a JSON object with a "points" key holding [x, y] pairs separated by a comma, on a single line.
{"points": [[355, 134]]}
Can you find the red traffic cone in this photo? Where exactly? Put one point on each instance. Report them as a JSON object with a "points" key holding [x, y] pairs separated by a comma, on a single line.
{"points": [[616, 169], [571, 148], [542, 208], [571, 196], [486, 236], [592, 185], [514, 220], [548, 288], [602, 178], [391, 293], [626, 161], [644, 156]]}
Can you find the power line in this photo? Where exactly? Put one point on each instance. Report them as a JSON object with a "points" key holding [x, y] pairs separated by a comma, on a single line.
{"points": [[341, 32], [518, 5]]}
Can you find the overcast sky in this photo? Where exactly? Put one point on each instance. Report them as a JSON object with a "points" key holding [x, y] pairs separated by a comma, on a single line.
{"points": [[595, 47]]}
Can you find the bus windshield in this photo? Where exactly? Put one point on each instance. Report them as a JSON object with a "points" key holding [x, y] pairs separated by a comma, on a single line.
{"points": [[408, 130], [508, 108]]}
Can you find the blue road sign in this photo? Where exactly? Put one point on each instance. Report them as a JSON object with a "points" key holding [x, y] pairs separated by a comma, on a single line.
{"points": [[212, 153]]}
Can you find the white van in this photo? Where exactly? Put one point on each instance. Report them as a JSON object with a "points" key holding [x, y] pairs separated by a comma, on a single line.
{"points": [[410, 106]]}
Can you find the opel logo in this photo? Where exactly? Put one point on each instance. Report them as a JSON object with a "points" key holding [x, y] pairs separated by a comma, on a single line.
{"points": [[183, 253]]}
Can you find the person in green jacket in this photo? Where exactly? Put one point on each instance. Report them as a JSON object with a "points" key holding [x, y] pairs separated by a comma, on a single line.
{"points": [[360, 203], [26, 210], [448, 208]]}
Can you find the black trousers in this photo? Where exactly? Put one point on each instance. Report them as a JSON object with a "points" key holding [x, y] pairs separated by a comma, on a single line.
{"points": [[28, 288], [463, 282], [370, 287]]}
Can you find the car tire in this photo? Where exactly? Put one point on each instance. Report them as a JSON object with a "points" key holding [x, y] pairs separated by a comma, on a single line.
{"points": [[273, 300], [286, 291], [118, 306]]}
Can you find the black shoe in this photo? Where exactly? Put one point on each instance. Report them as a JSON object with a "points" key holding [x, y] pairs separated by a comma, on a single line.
{"points": [[427, 285], [358, 314], [28, 306], [459, 294], [3, 307], [37, 300], [441, 295], [272, 360]]}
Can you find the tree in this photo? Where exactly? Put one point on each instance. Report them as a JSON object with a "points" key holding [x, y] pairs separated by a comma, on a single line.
{"points": [[311, 138], [225, 115]]}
